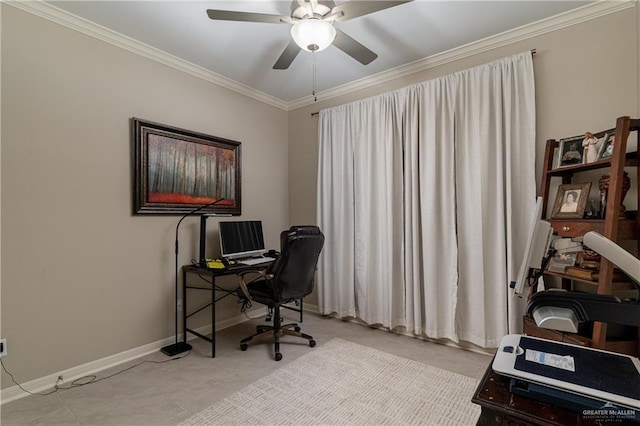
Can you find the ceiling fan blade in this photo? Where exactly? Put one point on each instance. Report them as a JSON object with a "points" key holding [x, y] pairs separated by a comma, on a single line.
{"points": [[311, 6], [353, 48], [287, 57], [230, 15], [354, 8]]}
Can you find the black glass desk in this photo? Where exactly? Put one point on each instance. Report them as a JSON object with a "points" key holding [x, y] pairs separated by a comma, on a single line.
{"points": [[208, 283]]}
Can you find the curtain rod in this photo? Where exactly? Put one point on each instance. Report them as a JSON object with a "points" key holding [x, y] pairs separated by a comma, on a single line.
{"points": [[533, 52]]}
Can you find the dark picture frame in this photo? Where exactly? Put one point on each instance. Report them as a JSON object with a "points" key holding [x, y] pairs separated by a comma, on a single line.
{"points": [[177, 171], [571, 201], [571, 151]]}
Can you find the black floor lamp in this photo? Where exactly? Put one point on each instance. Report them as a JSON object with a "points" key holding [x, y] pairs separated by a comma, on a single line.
{"points": [[180, 347]]}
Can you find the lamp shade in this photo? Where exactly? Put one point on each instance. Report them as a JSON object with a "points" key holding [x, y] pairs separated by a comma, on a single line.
{"points": [[313, 34]]}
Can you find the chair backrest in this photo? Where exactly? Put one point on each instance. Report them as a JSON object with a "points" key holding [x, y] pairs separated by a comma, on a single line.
{"points": [[294, 271]]}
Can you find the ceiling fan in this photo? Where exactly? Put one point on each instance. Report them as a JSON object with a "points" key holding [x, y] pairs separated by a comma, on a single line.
{"points": [[313, 28]]}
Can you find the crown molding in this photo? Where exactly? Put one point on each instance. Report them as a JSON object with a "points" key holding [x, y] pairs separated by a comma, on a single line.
{"points": [[59, 16], [554, 23], [558, 22]]}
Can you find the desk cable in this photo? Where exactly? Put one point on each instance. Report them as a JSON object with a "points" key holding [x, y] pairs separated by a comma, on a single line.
{"points": [[92, 378]]}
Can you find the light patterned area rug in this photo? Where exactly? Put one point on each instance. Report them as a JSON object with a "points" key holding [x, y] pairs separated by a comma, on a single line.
{"points": [[343, 383]]}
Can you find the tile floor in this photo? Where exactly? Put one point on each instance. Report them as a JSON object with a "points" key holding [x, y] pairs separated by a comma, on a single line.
{"points": [[167, 393]]}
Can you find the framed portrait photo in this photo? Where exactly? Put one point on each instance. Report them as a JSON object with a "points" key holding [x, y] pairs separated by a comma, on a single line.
{"points": [[571, 201], [606, 149], [571, 151], [177, 171]]}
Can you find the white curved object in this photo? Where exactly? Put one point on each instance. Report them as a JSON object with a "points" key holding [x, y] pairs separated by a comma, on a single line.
{"points": [[613, 253], [313, 35]]}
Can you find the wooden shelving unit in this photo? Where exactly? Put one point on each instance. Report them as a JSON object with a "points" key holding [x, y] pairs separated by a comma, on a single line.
{"points": [[612, 226]]}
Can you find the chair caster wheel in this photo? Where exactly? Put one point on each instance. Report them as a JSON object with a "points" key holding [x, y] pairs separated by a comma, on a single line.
{"points": [[243, 346], [297, 329], [278, 356], [312, 343]]}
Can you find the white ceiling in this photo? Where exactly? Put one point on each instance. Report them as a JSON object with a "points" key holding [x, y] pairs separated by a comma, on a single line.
{"points": [[245, 52]]}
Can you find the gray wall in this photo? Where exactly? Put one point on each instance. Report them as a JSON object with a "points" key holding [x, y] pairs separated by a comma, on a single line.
{"points": [[82, 277]]}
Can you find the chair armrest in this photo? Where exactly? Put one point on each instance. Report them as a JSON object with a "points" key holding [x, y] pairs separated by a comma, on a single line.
{"points": [[243, 284]]}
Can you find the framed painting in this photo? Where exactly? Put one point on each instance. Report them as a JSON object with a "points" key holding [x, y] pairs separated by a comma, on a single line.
{"points": [[177, 171], [571, 201]]}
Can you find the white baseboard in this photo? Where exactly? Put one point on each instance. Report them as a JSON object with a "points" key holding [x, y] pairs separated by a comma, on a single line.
{"points": [[311, 308], [46, 383]]}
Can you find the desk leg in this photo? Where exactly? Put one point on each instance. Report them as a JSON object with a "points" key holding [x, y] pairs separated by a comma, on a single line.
{"points": [[184, 305], [213, 316], [186, 314]]}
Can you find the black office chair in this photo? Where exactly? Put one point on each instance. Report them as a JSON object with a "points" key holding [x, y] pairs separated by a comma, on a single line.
{"points": [[290, 278]]}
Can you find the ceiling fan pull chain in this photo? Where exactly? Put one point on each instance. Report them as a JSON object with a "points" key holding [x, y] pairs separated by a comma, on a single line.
{"points": [[315, 98]]}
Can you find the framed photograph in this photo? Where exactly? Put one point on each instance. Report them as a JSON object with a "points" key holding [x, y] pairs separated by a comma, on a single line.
{"points": [[177, 171], [571, 151], [606, 149], [571, 201]]}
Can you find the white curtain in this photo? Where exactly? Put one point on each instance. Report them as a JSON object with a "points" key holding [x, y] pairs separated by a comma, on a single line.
{"points": [[431, 257], [425, 195], [495, 185], [362, 161]]}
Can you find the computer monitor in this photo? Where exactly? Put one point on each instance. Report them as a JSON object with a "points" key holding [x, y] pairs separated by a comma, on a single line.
{"points": [[241, 239]]}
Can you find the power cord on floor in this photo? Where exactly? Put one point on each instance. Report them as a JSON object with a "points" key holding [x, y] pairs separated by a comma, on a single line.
{"points": [[92, 378]]}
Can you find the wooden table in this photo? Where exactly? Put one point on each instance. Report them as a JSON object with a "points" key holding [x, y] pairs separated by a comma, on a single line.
{"points": [[501, 407]]}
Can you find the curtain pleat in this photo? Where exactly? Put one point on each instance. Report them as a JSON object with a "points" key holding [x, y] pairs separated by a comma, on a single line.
{"points": [[336, 213], [364, 207], [425, 195], [430, 231]]}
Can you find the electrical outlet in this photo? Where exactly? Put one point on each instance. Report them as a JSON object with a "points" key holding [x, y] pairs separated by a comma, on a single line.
{"points": [[179, 305], [3, 347]]}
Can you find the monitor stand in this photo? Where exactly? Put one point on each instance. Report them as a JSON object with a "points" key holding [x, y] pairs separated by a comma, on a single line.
{"points": [[203, 241]]}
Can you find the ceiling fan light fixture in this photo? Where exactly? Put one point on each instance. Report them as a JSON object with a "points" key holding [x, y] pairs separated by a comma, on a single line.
{"points": [[313, 35]]}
